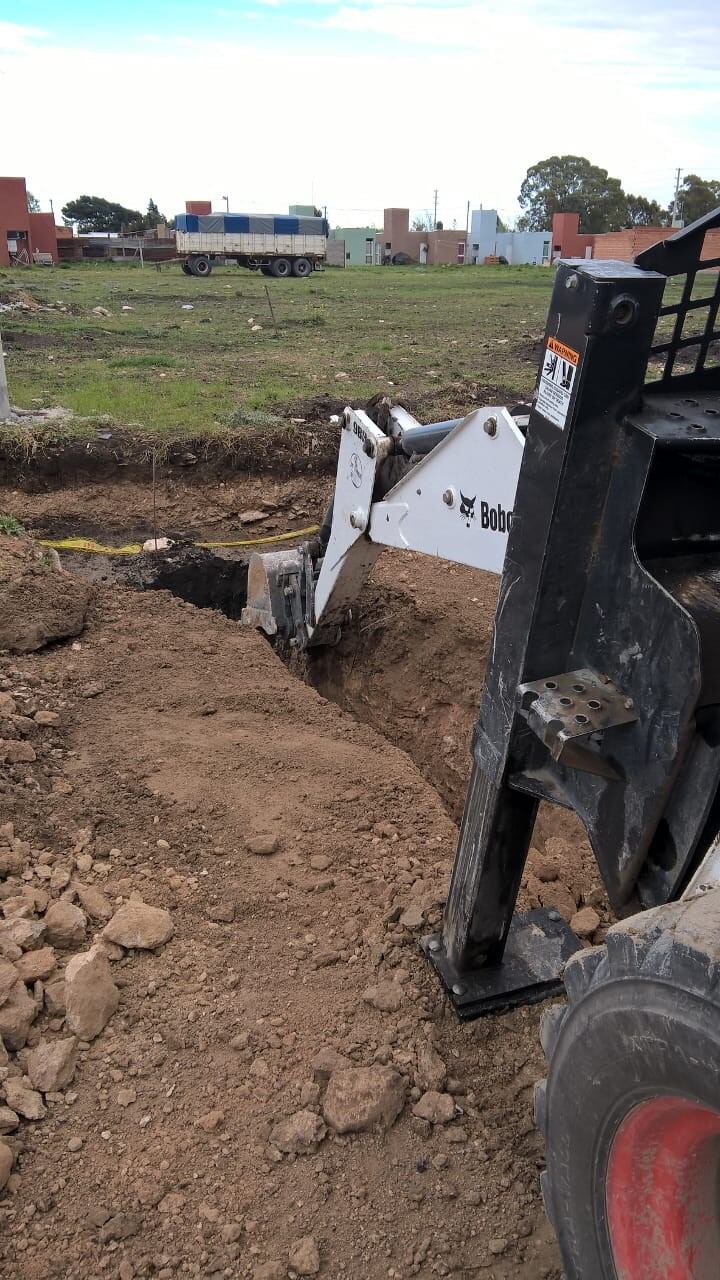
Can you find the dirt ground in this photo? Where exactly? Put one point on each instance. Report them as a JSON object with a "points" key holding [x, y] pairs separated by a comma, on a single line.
{"points": [[301, 848]]}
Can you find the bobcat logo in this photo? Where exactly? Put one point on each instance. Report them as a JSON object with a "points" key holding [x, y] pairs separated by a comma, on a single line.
{"points": [[467, 508]]}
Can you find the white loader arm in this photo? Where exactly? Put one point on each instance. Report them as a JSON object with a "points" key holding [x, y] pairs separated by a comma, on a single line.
{"points": [[454, 501]]}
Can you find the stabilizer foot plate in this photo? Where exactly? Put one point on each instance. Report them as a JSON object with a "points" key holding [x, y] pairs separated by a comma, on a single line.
{"points": [[538, 947]]}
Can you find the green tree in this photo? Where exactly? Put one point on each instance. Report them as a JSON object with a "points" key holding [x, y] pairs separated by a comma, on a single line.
{"points": [[697, 196], [642, 212], [422, 222], [93, 213], [571, 184], [153, 215], [33, 203]]}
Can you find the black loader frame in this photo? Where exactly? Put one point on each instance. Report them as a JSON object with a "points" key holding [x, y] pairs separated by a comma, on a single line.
{"points": [[602, 692]]}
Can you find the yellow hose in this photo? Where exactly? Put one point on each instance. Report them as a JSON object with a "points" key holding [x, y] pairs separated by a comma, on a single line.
{"points": [[89, 546]]}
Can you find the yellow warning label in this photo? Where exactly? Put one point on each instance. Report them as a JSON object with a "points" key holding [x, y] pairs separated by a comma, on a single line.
{"points": [[565, 353]]}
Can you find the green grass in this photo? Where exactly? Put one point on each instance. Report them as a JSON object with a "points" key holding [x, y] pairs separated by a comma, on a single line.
{"points": [[10, 526], [432, 336]]}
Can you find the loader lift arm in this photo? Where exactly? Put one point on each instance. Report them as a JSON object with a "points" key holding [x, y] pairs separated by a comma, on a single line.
{"points": [[602, 693]]}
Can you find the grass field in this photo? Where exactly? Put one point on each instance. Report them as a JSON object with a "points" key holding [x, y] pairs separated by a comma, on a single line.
{"points": [[166, 372]]}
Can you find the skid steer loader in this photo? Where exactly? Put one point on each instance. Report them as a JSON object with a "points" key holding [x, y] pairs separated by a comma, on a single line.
{"points": [[600, 507]]}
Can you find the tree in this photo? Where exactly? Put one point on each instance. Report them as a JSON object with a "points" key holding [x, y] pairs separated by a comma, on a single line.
{"points": [[153, 215], [571, 184], [642, 212], [93, 213], [500, 225], [697, 196], [422, 222], [33, 203]]}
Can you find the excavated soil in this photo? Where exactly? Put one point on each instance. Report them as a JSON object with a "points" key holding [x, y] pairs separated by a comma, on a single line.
{"points": [[184, 742]]}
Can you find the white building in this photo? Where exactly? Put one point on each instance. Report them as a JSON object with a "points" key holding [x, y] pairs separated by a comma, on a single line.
{"points": [[485, 241]]}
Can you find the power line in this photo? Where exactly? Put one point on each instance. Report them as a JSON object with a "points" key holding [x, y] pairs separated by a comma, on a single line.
{"points": [[674, 218]]}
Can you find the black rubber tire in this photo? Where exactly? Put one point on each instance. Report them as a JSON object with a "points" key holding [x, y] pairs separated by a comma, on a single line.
{"points": [[302, 267], [280, 268], [643, 1020], [200, 267], [186, 268]]}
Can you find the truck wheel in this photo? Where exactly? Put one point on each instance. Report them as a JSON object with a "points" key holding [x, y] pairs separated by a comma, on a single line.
{"points": [[280, 268], [301, 267], [186, 268], [200, 267], [631, 1105], [266, 271]]}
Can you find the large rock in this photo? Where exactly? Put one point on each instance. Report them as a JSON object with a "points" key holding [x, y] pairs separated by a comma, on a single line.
{"points": [[91, 996], [26, 934], [66, 924], [8, 978], [431, 1070], [16, 1016], [136, 924], [94, 901], [360, 1098], [304, 1257], [299, 1134], [386, 996], [39, 602], [36, 966], [438, 1108], [51, 1064], [24, 1100], [6, 1163]]}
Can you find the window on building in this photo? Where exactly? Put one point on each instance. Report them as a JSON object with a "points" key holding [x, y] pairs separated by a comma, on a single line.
{"points": [[388, 244], [476, 247], [347, 255]]}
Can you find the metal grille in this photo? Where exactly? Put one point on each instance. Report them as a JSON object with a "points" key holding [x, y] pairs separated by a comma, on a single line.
{"points": [[686, 345]]}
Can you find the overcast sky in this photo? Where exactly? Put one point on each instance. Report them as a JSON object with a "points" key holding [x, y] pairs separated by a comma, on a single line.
{"points": [[353, 104]]}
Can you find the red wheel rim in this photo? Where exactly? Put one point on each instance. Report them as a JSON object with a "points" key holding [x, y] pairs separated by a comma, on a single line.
{"points": [[663, 1192]]}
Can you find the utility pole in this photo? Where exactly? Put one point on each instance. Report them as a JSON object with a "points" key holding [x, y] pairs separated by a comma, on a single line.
{"points": [[4, 397], [435, 211], [674, 218], [227, 203]]}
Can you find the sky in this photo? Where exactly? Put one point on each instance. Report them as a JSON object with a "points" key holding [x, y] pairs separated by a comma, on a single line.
{"points": [[352, 104]]}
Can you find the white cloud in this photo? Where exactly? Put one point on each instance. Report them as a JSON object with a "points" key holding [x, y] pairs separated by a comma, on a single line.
{"points": [[348, 121]]}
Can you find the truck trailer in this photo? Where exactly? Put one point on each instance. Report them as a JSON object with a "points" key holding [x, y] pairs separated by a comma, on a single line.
{"points": [[278, 245]]}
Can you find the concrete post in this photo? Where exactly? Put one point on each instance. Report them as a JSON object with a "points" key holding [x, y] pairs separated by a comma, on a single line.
{"points": [[4, 397]]}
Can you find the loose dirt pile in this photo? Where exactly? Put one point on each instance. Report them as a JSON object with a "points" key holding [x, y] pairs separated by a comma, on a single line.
{"points": [[281, 1090], [39, 601]]}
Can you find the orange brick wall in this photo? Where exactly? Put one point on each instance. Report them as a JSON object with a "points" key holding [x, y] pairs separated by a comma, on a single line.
{"points": [[626, 245], [43, 235], [198, 206]]}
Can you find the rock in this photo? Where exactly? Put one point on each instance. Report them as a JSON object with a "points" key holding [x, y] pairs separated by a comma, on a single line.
{"points": [[8, 978], [19, 753], [359, 1098], [26, 934], [66, 924], [304, 1257], [231, 1232], [263, 846], [8, 1120], [126, 1097], [24, 1100], [93, 900], [438, 1108], [47, 719], [319, 862], [120, 1227], [51, 1064], [413, 917], [252, 517], [93, 689], [55, 998], [212, 1120], [91, 996], [431, 1070], [556, 894], [299, 1134], [386, 996], [138, 925], [16, 1016], [11, 863], [270, 1271], [327, 1061], [6, 1163], [36, 966], [75, 1144], [585, 922], [497, 1245], [101, 311], [173, 1203]]}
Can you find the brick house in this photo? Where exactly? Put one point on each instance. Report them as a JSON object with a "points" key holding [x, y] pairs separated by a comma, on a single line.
{"points": [[21, 233], [434, 248]]}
